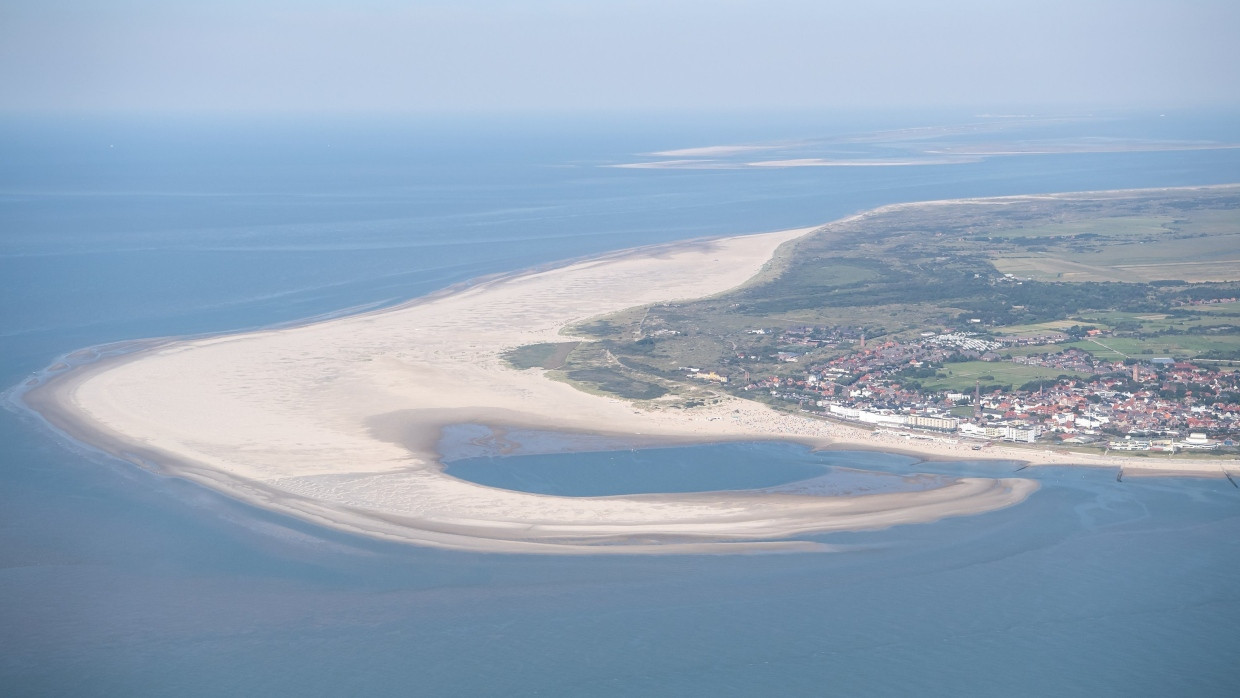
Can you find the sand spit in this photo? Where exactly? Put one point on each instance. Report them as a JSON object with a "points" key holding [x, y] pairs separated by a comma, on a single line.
{"points": [[336, 421]]}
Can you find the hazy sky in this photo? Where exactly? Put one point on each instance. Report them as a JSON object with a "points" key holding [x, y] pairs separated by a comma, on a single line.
{"points": [[364, 55]]}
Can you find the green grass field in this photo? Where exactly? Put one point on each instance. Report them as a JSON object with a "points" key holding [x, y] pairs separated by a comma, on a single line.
{"points": [[1220, 309], [1040, 328], [963, 376], [1181, 346], [1204, 246]]}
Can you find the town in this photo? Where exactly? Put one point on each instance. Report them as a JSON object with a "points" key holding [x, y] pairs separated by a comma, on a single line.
{"points": [[1133, 404], [1027, 324]]}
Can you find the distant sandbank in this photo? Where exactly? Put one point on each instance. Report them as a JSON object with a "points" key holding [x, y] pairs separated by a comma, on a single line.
{"points": [[336, 421]]}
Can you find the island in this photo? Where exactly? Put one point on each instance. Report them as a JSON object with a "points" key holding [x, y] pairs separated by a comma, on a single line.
{"points": [[1100, 322], [338, 422]]}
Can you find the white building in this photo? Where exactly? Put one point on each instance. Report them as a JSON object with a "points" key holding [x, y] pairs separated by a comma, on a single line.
{"points": [[1020, 434], [925, 421]]}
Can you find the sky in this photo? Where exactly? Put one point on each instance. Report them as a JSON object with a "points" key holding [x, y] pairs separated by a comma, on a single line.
{"points": [[495, 55]]}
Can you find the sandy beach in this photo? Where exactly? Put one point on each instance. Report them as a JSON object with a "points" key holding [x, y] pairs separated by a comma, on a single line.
{"points": [[336, 422]]}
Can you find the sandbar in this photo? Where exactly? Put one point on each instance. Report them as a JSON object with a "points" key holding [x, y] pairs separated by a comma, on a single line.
{"points": [[336, 421]]}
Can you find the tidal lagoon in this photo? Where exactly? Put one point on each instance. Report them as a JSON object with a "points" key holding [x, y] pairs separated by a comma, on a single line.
{"points": [[119, 580]]}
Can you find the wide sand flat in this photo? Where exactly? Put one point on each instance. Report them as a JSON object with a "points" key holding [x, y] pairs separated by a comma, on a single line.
{"points": [[336, 421]]}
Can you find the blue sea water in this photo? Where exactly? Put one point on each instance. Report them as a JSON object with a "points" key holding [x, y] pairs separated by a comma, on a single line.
{"points": [[116, 581], [702, 468]]}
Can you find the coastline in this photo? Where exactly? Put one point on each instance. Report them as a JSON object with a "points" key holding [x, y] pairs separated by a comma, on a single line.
{"points": [[335, 422]]}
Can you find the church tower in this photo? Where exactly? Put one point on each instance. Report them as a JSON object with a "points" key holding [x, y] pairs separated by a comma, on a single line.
{"points": [[977, 402]]}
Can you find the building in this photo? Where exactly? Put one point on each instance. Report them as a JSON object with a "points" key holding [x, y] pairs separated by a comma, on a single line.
{"points": [[1020, 434], [936, 423], [1198, 441], [1017, 433]]}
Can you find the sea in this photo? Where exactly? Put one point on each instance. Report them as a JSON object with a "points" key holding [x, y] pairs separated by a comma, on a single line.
{"points": [[119, 581]]}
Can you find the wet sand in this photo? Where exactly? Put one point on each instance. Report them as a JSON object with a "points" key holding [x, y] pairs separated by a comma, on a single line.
{"points": [[336, 422]]}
